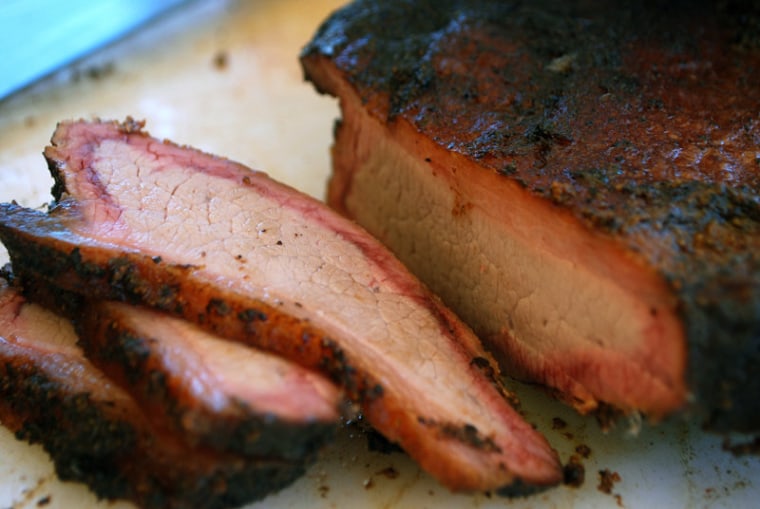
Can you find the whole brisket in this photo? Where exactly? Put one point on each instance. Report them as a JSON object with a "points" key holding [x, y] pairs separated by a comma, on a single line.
{"points": [[579, 181]]}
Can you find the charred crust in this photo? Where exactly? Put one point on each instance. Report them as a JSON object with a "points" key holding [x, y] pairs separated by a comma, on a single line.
{"points": [[357, 385], [132, 126], [127, 357], [218, 307], [607, 416], [652, 153], [520, 488], [486, 367], [573, 472], [251, 315], [109, 445], [237, 429], [84, 443], [88, 444], [135, 278], [465, 433]]}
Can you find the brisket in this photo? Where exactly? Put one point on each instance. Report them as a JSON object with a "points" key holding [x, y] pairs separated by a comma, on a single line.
{"points": [[95, 432], [249, 259], [207, 391], [579, 181]]}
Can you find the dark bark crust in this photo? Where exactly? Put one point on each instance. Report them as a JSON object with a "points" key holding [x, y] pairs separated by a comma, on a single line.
{"points": [[128, 357], [641, 120], [110, 447], [65, 261]]}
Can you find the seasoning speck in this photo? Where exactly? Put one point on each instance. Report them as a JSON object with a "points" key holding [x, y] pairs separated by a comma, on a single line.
{"points": [[221, 60], [607, 480]]}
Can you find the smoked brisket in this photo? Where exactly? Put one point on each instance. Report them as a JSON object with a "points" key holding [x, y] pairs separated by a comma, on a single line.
{"points": [[251, 260], [579, 181], [95, 432], [205, 390]]}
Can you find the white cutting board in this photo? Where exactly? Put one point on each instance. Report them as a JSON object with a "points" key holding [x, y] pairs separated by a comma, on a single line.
{"points": [[224, 77]]}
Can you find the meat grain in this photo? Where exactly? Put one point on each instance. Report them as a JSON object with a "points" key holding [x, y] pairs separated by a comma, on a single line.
{"points": [[249, 259], [579, 181]]}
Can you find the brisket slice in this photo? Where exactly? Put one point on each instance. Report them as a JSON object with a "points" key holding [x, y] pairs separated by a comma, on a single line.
{"points": [[249, 259], [207, 391], [579, 181], [95, 432]]}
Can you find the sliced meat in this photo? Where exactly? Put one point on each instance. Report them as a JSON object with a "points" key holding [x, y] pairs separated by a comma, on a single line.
{"points": [[95, 432], [250, 259], [211, 392], [579, 181], [221, 394]]}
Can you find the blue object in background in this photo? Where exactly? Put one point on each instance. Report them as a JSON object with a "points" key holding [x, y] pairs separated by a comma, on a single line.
{"points": [[39, 36]]}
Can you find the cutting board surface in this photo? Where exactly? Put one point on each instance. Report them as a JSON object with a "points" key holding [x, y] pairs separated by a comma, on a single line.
{"points": [[224, 77]]}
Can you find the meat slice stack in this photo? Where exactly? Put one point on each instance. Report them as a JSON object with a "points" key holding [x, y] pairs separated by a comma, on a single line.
{"points": [[219, 247], [218, 393], [211, 392], [97, 433], [579, 181]]}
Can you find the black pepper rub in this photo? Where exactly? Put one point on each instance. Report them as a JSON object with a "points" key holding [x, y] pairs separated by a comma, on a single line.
{"points": [[639, 120]]}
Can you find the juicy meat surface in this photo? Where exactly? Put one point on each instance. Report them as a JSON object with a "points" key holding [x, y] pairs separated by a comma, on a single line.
{"points": [[215, 243], [579, 181], [220, 394], [95, 432], [211, 392]]}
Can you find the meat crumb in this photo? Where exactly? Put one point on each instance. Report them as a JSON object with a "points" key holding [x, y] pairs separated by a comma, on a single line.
{"points": [[558, 423], [607, 481], [583, 450], [574, 473]]}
